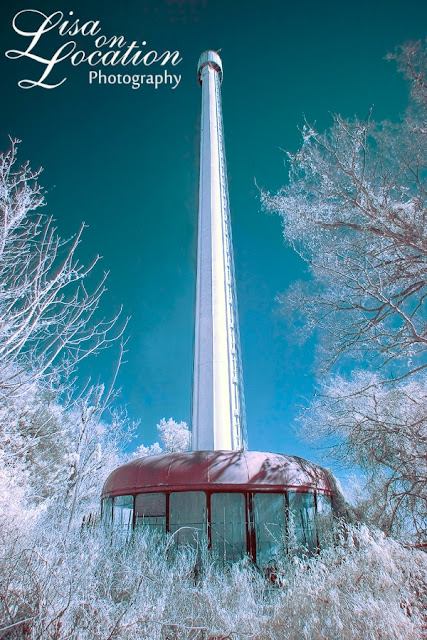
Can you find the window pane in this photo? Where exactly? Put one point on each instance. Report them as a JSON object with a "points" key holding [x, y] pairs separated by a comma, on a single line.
{"points": [[187, 513], [122, 512], [270, 526], [228, 525], [301, 520], [150, 511], [107, 511], [324, 520]]}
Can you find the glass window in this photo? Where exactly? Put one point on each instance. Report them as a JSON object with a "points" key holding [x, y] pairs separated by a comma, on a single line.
{"points": [[301, 521], [187, 516], [228, 525], [122, 512], [324, 520], [270, 526], [107, 511], [150, 511]]}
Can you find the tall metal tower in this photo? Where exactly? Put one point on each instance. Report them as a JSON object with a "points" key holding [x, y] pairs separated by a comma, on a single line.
{"points": [[219, 420]]}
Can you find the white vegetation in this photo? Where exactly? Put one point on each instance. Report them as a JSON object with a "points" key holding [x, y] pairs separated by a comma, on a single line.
{"points": [[48, 316], [355, 210], [63, 577], [87, 584], [141, 451], [175, 436], [56, 443]]}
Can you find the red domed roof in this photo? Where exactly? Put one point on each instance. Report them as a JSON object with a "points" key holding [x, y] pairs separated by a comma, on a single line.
{"points": [[216, 470]]}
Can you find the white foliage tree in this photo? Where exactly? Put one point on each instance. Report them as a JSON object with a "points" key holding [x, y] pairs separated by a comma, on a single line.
{"points": [[54, 458], [381, 428], [153, 450], [355, 210], [95, 450], [176, 436], [56, 445], [48, 316]]}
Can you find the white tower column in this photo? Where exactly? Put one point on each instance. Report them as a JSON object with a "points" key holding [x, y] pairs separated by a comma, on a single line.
{"points": [[218, 420]]}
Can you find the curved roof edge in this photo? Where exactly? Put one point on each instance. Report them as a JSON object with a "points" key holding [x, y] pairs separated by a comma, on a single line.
{"points": [[214, 470]]}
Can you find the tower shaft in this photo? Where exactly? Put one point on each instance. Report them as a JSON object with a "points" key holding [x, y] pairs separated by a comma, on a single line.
{"points": [[218, 420]]}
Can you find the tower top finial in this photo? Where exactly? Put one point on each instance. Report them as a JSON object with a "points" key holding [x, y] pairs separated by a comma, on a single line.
{"points": [[212, 59]]}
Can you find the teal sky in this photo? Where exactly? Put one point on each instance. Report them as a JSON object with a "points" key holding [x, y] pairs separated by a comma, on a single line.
{"points": [[126, 162]]}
